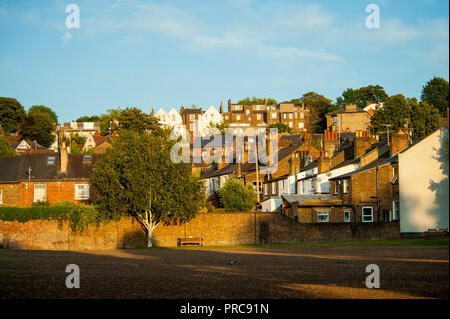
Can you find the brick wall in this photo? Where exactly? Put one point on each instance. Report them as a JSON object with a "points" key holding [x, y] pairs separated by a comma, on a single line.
{"points": [[214, 228]]}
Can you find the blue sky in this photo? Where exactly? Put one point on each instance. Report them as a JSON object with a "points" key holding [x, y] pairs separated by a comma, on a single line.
{"points": [[165, 54]]}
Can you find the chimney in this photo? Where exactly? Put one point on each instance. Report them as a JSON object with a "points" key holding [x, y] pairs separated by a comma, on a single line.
{"points": [[221, 107], [265, 101], [64, 157], [362, 144], [229, 105], [303, 105], [238, 169], [153, 112], [398, 142], [181, 110]]}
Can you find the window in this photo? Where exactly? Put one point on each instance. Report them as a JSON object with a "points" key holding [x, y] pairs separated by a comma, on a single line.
{"points": [[335, 120], [395, 210], [192, 117], [291, 124], [302, 115], [164, 118], [238, 117], [296, 115], [347, 216], [274, 115], [247, 112], [284, 116], [226, 117], [258, 116], [51, 160], [367, 214], [87, 157], [40, 193], [259, 188], [1, 197], [323, 216], [274, 188], [336, 187], [266, 189], [345, 186], [81, 191], [290, 116], [192, 126], [301, 125]]}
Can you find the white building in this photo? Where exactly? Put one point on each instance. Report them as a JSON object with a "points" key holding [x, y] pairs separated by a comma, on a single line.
{"points": [[423, 184]]}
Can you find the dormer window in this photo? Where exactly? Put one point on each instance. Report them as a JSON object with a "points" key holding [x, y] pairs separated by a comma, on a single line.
{"points": [[87, 157]]}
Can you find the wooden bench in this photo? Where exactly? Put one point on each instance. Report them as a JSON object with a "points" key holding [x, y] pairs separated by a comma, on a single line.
{"points": [[190, 241], [436, 233]]}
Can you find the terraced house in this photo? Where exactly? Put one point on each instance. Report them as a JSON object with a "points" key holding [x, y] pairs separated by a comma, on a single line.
{"points": [[34, 178]]}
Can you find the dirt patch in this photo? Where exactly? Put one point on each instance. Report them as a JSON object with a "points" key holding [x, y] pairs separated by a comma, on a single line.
{"points": [[294, 272]]}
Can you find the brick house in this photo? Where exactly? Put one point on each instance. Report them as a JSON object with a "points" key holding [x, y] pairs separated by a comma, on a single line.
{"points": [[32, 178], [350, 118], [23, 146]]}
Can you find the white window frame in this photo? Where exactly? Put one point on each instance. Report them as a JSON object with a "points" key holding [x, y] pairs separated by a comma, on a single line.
{"points": [[1, 196], [274, 115], [82, 197], [302, 115], [395, 210], [45, 193], [323, 213], [266, 189], [301, 125], [258, 117], [238, 117], [274, 188], [336, 187], [371, 214], [349, 216], [345, 186]]}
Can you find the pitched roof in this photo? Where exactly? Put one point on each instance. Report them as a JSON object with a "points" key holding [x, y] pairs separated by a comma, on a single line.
{"points": [[15, 168], [101, 139], [293, 198], [192, 111]]}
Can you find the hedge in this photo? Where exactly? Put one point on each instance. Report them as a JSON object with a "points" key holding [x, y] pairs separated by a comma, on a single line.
{"points": [[78, 215]]}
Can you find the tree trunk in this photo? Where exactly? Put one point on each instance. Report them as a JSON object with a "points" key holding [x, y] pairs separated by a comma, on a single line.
{"points": [[149, 238]]}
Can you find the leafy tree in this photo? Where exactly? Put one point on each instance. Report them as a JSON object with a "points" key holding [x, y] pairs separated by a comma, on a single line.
{"points": [[255, 100], [38, 127], [235, 197], [425, 118], [5, 147], [136, 177], [395, 112], [318, 104], [217, 128], [75, 149], [106, 120], [282, 128], [44, 110], [371, 94], [362, 96], [78, 139], [436, 93], [136, 120], [349, 96], [86, 118], [12, 115]]}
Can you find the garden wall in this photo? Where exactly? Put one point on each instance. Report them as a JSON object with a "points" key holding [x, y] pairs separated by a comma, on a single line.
{"points": [[214, 228]]}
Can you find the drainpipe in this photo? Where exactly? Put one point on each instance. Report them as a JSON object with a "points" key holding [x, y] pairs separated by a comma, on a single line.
{"points": [[378, 199]]}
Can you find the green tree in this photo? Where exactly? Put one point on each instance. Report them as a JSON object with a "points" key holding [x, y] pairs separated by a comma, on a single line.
{"points": [[86, 118], [255, 100], [79, 139], [362, 96], [318, 104], [136, 177], [38, 127], [282, 128], [217, 128], [436, 93], [12, 115], [425, 118], [235, 197], [5, 147], [136, 120], [44, 110], [396, 111], [75, 149], [371, 94]]}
